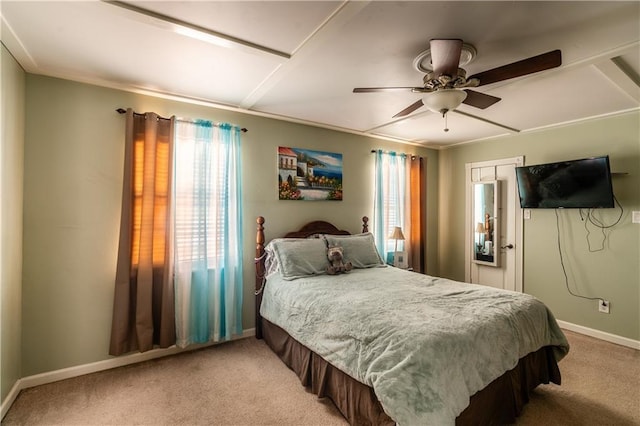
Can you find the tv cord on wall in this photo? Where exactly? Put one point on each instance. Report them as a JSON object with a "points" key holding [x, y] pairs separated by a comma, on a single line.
{"points": [[597, 223], [564, 271]]}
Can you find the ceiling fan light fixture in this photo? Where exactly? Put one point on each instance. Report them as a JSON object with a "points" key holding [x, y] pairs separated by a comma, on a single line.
{"points": [[444, 100]]}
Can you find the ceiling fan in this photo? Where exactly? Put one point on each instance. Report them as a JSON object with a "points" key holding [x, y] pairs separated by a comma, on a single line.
{"points": [[446, 85]]}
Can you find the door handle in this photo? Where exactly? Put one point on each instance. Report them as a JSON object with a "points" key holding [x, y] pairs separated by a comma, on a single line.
{"points": [[508, 246]]}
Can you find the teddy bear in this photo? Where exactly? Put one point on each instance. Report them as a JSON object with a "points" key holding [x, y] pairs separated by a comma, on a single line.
{"points": [[337, 264]]}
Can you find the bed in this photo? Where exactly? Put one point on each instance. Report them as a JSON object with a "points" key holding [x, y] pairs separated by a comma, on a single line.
{"points": [[390, 346]]}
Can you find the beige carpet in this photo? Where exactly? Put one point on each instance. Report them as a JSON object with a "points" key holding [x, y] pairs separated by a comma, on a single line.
{"points": [[244, 383]]}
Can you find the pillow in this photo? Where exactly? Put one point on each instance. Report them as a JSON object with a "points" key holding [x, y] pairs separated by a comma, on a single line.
{"points": [[359, 249], [271, 262], [299, 257]]}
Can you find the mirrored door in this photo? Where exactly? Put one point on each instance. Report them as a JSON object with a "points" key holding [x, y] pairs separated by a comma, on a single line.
{"points": [[485, 222]]}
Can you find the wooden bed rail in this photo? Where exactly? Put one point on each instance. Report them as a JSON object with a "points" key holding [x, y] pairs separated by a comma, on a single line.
{"points": [[311, 228]]}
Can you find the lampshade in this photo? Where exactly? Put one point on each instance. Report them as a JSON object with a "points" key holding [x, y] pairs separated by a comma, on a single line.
{"points": [[396, 234], [444, 100], [480, 228]]}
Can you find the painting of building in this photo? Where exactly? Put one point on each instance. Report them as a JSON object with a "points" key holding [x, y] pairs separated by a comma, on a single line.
{"points": [[309, 175]]}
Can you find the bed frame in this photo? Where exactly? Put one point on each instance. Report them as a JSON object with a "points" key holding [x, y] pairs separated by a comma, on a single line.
{"points": [[499, 403]]}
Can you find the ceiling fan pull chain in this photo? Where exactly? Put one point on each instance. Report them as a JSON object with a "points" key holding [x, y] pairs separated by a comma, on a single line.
{"points": [[446, 127]]}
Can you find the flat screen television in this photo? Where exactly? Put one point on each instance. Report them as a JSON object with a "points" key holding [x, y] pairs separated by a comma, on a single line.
{"points": [[575, 184]]}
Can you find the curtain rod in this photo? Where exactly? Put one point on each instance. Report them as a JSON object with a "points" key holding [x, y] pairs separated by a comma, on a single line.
{"points": [[373, 151], [123, 111]]}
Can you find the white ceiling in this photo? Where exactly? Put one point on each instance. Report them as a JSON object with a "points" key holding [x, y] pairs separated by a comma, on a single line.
{"points": [[300, 60]]}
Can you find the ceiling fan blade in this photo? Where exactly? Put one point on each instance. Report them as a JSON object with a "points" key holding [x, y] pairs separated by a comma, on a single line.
{"points": [[385, 89], [517, 69], [408, 110], [479, 100], [445, 56]]}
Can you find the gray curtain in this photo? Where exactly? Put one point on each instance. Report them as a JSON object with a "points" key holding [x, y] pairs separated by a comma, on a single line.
{"points": [[143, 308]]}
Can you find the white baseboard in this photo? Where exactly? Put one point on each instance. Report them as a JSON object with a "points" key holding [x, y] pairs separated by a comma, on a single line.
{"points": [[602, 335], [11, 396], [94, 367]]}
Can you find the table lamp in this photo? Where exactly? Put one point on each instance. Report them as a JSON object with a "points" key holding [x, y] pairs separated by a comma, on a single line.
{"points": [[396, 234]]}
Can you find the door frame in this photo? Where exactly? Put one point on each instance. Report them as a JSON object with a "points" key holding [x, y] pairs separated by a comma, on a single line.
{"points": [[468, 231]]}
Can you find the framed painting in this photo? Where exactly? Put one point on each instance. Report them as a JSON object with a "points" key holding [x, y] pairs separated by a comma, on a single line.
{"points": [[308, 175]]}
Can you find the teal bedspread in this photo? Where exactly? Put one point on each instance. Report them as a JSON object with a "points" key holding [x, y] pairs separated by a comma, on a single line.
{"points": [[424, 344]]}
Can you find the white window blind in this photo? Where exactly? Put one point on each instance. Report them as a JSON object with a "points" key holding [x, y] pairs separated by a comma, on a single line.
{"points": [[200, 193]]}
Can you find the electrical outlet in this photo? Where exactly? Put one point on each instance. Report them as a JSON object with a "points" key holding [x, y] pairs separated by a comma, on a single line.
{"points": [[603, 306], [635, 216], [527, 214]]}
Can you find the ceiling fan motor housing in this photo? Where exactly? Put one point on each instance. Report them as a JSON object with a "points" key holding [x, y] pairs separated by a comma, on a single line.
{"points": [[436, 82]]}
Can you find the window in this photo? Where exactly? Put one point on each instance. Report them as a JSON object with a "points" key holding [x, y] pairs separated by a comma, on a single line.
{"points": [[179, 273], [390, 199], [400, 201]]}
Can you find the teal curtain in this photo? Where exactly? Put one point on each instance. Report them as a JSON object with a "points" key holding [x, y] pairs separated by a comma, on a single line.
{"points": [[390, 199], [207, 232]]}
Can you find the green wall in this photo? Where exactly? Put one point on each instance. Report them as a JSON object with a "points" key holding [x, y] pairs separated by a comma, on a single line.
{"points": [[73, 154], [73, 182], [612, 273], [11, 172]]}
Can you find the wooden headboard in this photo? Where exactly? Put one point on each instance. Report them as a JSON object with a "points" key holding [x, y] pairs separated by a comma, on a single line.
{"points": [[311, 228]]}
